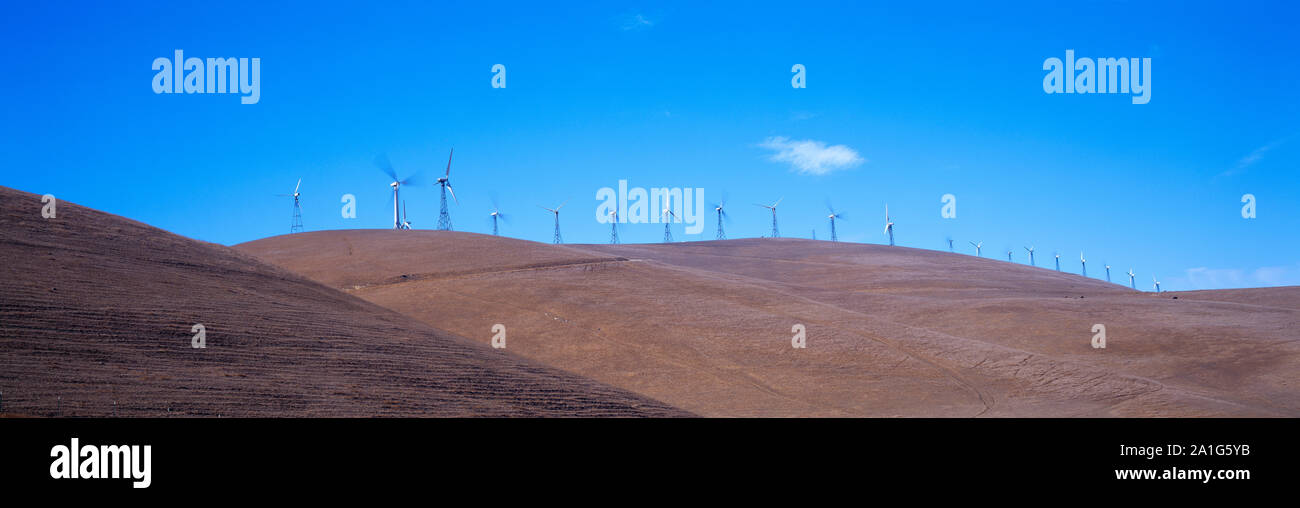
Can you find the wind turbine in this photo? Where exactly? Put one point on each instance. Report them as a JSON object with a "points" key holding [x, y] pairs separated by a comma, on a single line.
{"points": [[1131, 284], [722, 234], [1031, 255], [397, 183], [496, 214], [776, 233], [832, 217], [977, 248], [556, 211], [613, 227], [1107, 273], [406, 224], [668, 218], [1084, 263], [1157, 283], [296, 225], [444, 218], [889, 226], [1009, 251], [950, 244], [1058, 261]]}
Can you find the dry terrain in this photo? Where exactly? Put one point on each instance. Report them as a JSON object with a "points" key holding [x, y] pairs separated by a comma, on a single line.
{"points": [[891, 331], [96, 315]]}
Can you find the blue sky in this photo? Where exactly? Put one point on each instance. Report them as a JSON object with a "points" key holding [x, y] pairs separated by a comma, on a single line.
{"points": [[932, 98]]}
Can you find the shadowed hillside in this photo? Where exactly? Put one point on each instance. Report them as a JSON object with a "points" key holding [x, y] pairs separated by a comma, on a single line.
{"points": [[891, 331], [96, 317]]}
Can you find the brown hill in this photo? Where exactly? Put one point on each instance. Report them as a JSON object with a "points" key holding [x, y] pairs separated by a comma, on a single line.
{"points": [[891, 331], [96, 317]]}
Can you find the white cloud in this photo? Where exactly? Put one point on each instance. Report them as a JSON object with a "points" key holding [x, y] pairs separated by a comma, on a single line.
{"points": [[637, 22], [1222, 278], [1253, 157], [1278, 275], [1209, 278], [811, 157]]}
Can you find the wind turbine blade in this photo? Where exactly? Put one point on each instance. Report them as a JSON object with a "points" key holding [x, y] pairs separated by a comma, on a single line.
{"points": [[386, 166], [778, 202], [561, 205], [453, 193], [448, 173], [295, 188]]}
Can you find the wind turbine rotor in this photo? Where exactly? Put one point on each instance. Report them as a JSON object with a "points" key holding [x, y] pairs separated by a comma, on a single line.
{"points": [[382, 162]]}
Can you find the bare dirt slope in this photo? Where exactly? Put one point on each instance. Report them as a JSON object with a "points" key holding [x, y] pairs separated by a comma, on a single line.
{"points": [[891, 331], [97, 311]]}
